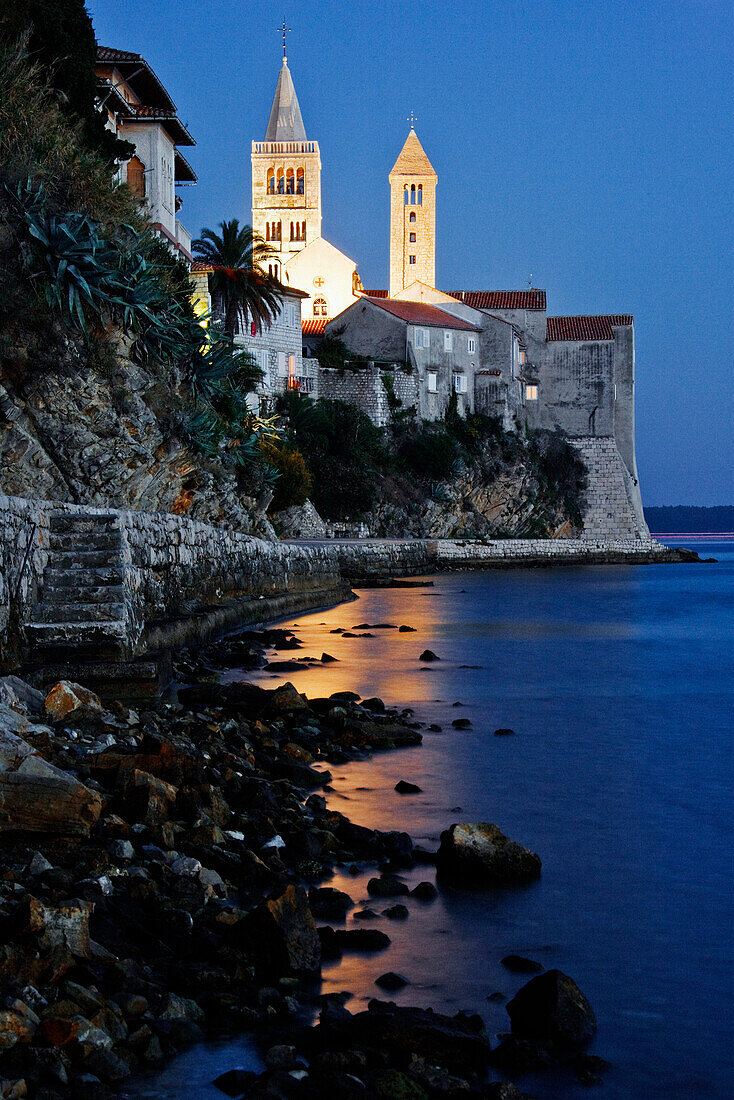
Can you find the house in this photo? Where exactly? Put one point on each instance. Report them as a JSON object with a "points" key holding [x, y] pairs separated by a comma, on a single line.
{"points": [[140, 111]]}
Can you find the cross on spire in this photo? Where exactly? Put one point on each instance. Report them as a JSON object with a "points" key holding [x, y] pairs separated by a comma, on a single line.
{"points": [[412, 119], [284, 31]]}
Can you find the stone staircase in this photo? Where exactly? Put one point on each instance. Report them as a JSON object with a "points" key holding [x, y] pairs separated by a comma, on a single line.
{"points": [[81, 609], [609, 512]]}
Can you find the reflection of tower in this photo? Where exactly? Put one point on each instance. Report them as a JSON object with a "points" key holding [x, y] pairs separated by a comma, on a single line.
{"points": [[412, 217], [286, 177]]}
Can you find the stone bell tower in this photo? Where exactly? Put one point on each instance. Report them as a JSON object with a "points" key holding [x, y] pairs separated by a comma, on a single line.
{"points": [[412, 217], [286, 177]]}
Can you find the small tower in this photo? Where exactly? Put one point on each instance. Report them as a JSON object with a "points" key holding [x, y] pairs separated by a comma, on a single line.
{"points": [[286, 177], [412, 217]]}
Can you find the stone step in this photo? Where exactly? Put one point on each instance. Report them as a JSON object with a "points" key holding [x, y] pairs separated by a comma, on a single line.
{"points": [[55, 579], [83, 522], [67, 595], [84, 559], [78, 613], [89, 540], [76, 634]]}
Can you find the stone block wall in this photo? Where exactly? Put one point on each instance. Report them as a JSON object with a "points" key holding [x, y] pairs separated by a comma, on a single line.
{"points": [[363, 388]]}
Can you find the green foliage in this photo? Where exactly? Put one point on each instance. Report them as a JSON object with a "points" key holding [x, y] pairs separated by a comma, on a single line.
{"points": [[430, 453], [333, 353], [239, 285], [294, 482], [59, 36]]}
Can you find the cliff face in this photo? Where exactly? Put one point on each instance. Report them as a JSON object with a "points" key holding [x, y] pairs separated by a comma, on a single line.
{"points": [[109, 437]]}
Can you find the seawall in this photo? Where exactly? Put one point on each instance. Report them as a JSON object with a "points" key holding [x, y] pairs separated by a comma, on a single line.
{"points": [[183, 581]]}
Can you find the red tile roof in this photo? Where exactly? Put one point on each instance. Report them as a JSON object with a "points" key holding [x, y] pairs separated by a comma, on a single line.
{"points": [[585, 328], [376, 293], [199, 265], [501, 299], [416, 313], [314, 326]]}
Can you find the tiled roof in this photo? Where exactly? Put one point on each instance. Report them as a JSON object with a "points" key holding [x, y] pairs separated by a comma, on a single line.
{"points": [[106, 53], [501, 299], [314, 326], [139, 75], [376, 293], [200, 265], [415, 313], [585, 328]]}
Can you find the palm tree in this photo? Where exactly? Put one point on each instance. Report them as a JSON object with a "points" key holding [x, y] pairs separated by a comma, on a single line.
{"points": [[239, 284]]}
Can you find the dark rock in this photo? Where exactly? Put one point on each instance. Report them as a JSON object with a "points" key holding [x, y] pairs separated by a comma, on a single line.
{"points": [[518, 964], [344, 697], [396, 912], [429, 655], [480, 852], [365, 914], [503, 732], [393, 1084], [391, 981], [424, 891], [461, 723], [406, 630], [234, 1082], [374, 704], [514, 1055], [361, 939], [327, 659], [387, 886], [404, 787], [497, 997], [552, 1008], [284, 929], [589, 1068], [329, 904]]}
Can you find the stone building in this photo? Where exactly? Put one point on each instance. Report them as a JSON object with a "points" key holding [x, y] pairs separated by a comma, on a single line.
{"points": [[412, 218], [286, 208], [140, 110]]}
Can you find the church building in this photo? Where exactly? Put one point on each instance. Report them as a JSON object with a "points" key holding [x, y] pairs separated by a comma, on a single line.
{"points": [[286, 209]]}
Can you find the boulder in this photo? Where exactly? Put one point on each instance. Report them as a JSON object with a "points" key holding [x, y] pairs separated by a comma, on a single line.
{"points": [[38, 797], [284, 928], [329, 904], [63, 926], [518, 964], [67, 701], [480, 852], [429, 655], [404, 787], [387, 886], [552, 1008]]}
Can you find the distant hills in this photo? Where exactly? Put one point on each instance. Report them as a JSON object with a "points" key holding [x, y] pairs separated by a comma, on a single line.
{"points": [[689, 520]]}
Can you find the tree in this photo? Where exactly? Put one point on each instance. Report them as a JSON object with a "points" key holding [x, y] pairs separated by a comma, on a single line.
{"points": [[239, 285], [59, 36]]}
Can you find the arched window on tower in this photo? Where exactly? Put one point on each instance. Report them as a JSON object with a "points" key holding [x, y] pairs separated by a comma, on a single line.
{"points": [[281, 182], [267, 231], [412, 194], [136, 177], [405, 195], [320, 307], [271, 181], [303, 231], [420, 194], [412, 216], [300, 182], [293, 232], [280, 231], [290, 182]]}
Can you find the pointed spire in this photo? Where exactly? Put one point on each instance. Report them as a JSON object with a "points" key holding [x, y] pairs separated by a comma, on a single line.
{"points": [[413, 160], [286, 123]]}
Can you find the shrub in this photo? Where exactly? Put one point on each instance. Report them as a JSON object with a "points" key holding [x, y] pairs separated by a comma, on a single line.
{"points": [[294, 482], [429, 454]]}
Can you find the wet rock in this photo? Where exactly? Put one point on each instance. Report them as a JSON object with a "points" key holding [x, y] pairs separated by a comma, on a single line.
{"points": [[429, 655], [284, 927], [327, 659], [64, 926], [374, 704], [67, 701], [503, 732], [393, 1084], [481, 853], [454, 1042], [396, 912], [518, 964], [286, 699], [122, 850], [329, 904], [437, 1082], [379, 735], [391, 981], [589, 1068], [387, 886], [281, 1056], [404, 787], [365, 914], [406, 629], [461, 723], [424, 891], [361, 939], [235, 1082], [552, 1008]]}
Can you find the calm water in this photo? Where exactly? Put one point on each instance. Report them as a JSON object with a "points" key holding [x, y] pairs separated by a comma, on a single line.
{"points": [[617, 681]]}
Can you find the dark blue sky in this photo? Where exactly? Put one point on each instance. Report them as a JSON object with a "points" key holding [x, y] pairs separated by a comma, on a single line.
{"points": [[587, 143]]}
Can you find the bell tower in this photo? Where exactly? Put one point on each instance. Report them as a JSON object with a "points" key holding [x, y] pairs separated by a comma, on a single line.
{"points": [[412, 217], [286, 177]]}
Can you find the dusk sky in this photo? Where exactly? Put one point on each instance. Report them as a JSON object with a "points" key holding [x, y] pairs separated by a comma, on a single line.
{"points": [[585, 143]]}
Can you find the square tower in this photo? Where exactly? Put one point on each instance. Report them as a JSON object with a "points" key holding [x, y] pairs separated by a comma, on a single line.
{"points": [[286, 178], [412, 218]]}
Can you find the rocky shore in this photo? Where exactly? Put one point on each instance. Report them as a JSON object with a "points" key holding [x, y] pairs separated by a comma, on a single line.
{"points": [[162, 882]]}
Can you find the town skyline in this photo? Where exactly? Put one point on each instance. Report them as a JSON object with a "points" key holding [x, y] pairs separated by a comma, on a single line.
{"points": [[588, 211]]}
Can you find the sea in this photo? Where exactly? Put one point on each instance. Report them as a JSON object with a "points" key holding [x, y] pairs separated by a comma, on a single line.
{"points": [[617, 682]]}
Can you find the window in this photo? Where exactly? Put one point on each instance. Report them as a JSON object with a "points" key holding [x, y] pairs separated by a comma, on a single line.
{"points": [[282, 370], [432, 381], [271, 181], [420, 194], [412, 216], [290, 182], [320, 307], [411, 259], [281, 181], [412, 194], [521, 356], [291, 366], [448, 341], [300, 182], [422, 338], [405, 196], [412, 238], [261, 358], [531, 393], [303, 231], [136, 177], [459, 382], [471, 345]]}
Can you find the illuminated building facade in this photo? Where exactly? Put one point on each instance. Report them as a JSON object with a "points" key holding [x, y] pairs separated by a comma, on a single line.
{"points": [[412, 218]]}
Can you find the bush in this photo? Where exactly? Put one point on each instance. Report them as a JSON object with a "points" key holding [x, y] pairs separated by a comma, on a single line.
{"points": [[294, 482], [429, 454]]}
